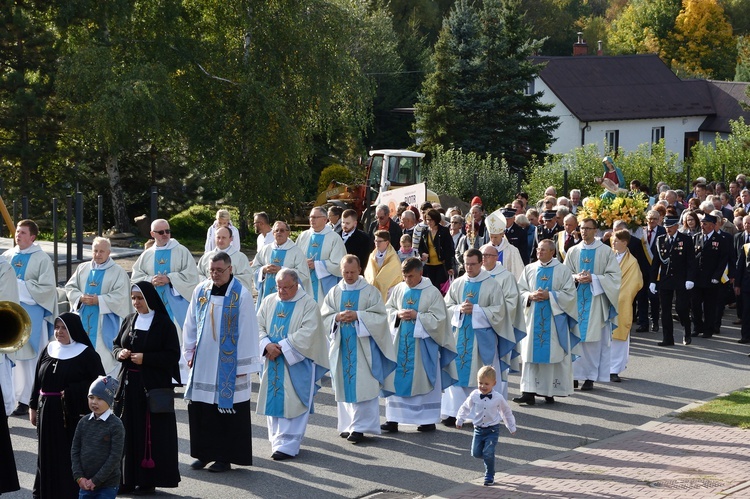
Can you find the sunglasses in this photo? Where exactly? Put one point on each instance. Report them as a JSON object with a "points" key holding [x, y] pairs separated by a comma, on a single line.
{"points": [[162, 232]]}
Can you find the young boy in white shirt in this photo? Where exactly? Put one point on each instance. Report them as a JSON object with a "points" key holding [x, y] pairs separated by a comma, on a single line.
{"points": [[487, 409]]}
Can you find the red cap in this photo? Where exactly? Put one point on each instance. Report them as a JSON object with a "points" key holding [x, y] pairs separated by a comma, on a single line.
{"points": [[476, 201]]}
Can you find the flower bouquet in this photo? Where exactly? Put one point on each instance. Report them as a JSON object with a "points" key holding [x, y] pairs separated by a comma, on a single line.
{"points": [[606, 211]]}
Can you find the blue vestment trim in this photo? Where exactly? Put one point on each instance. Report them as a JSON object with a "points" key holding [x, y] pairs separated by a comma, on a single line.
{"points": [[585, 296]]}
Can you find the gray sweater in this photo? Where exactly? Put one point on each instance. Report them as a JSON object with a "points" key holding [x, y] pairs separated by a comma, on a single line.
{"points": [[97, 450]]}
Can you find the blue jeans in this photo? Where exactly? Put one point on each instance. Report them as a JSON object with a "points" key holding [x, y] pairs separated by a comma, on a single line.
{"points": [[105, 493], [483, 445]]}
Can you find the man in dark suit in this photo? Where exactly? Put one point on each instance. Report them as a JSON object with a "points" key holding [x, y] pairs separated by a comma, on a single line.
{"points": [[569, 237], [356, 241], [712, 253], [742, 281], [740, 239], [384, 222], [516, 235], [674, 270], [644, 299]]}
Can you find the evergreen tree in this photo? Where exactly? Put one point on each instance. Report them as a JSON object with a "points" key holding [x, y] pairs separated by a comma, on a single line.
{"points": [[476, 99]]}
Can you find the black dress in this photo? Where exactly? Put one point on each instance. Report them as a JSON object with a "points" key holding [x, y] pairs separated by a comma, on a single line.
{"points": [[58, 416], [148, 435], [8, 473]]}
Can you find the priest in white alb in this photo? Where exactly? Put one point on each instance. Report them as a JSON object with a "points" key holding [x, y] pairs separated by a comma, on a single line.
{"points": [[477, 313], [548, 299], [360, 351], [425, 351], [324, 250], [223, 238], [99, 292], [294, 345], [37, 292], [282, 252], [220, 345], [597, 275]]}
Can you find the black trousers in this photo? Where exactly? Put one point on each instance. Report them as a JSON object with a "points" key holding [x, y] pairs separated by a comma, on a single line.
{"points": [[682, 307], [744, 299], [704, 302], [643, 300]]}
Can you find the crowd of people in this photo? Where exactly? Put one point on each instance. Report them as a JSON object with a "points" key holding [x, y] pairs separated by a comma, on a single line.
{"points": [[413, 310]]}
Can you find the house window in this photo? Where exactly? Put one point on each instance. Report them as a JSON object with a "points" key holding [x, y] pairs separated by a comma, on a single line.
{"points": [[612, 138], [530, 87], [657, 133]]}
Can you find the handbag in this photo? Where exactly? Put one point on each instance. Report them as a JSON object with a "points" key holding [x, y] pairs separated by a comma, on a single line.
{"points": [[160, 400]]}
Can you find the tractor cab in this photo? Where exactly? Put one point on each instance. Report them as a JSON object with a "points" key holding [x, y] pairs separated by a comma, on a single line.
{"points": [[393, 168]]}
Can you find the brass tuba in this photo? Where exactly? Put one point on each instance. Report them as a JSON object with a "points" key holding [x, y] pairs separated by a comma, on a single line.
{"points": [[15, 327]]}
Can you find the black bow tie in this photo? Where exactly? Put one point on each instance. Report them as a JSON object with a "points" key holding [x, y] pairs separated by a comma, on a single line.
{"points": [[485, 395]]}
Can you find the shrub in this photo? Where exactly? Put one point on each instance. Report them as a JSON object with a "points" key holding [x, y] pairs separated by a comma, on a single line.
{"points": [[194, 222], [454, 172], [339, 173]]}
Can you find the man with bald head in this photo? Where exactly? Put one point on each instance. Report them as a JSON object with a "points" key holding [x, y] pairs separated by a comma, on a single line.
{"points": [[99, 291], [170, 267], [324, 250]]}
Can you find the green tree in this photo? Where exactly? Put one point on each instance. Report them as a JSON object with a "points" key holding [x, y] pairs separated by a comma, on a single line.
{"points": [[742, 71], [29, 120], [732, 152], [643, 27], [476, 97], [738, 14]]}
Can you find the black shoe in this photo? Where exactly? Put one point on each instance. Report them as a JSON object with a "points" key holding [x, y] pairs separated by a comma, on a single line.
{"points": [[344, 434], [280, 456], [588, 385], [450, 422], [575, 383], [675, 317], [654, 327], [615, 378], [549, 400], [525, 398], [688, 340], [708, 335], [220, 467], [426, 427], [356, 437], [143, 491], [743, 341], [20, 410], [198, 464], [389, 426], [696, 333], [642, 329], [666, 343], [738, 322], [487, 483]]}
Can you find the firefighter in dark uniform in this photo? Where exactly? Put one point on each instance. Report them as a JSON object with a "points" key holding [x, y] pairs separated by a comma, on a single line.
{"points": [[712, 253], [673, 268], [742, 286], [516, 235], [547, 230]]}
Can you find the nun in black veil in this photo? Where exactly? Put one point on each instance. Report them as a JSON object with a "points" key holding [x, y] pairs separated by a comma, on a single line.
{"points": [[66, 369], [149, 349]]}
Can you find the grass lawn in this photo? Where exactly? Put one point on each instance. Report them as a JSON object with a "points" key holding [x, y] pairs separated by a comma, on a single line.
{"points": [[732, 410]]}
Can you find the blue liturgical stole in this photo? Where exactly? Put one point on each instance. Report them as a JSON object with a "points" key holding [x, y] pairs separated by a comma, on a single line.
{"points": [[313, 251], [584, 291], [406, 345], [542, 334], [279, 331], [500, 256], [465, 337], [90, 313], [37, 313], [269, 284], [163, 265], [348, 346]]}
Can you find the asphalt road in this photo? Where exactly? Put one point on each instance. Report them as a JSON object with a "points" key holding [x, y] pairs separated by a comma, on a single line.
{"points": [[410, 464], [657, 381]]}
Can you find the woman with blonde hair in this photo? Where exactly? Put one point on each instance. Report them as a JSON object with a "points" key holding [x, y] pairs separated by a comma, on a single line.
{"points": [[223, 219]]}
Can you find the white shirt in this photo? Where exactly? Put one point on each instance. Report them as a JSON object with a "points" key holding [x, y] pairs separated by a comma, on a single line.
{"points": [[486, 411]]}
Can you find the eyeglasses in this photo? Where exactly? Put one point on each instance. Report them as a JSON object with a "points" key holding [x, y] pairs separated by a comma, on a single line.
{"points": [[489, 255], [287, 288], [218, 271], [378, 241], [162, 232]]}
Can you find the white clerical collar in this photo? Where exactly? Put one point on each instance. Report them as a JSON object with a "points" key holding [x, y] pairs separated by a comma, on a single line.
{"points": [[57, 350], [351, 287], [276, 245], [170, 244], [542, 264], [481, 276], [107, 264], [143, 321]]}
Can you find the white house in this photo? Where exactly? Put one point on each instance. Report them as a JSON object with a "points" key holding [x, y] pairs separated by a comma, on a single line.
{"points": [[626, 101]]}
